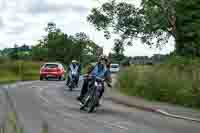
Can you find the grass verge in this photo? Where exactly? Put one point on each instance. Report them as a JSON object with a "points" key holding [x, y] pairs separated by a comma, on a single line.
{"points": [[12, 71], [176, 81], [10, 125]]}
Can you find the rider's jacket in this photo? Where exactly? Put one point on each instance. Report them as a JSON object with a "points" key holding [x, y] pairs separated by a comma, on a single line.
{"points": [[73, 68], [99, 70]]}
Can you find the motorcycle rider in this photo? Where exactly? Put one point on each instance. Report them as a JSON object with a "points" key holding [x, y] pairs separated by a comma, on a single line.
{"points": [[79, 72], [99, 70], [73, 67]]}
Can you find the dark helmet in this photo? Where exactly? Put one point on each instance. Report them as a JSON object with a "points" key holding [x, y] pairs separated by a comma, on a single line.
{"points": [[103, 58]]}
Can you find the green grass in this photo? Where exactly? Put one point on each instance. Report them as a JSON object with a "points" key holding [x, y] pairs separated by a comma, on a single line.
{"points": [[12, 71], [176, 81], [10, 125]]}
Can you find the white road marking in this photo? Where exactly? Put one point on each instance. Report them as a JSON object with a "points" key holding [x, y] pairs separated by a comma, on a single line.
{"points": [[41, 89], [61, 129], [44, 99], [112, 125], [176, 116], [106, 123]]}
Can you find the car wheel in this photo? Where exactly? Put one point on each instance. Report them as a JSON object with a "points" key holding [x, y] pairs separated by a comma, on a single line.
{"points": [[41, 78], [62, 78]]}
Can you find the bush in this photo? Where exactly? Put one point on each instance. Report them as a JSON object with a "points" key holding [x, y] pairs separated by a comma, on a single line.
{"points": [[19, 70], [175, 81], [3, 59]]}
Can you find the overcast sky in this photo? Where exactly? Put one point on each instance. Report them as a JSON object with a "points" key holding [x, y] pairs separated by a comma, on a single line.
{"points": [[23, 21]]}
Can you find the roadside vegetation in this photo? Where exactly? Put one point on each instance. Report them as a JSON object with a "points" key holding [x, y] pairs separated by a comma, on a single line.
{"points": [[12, 71], [22, 62], [10, 125], [175, 81]]}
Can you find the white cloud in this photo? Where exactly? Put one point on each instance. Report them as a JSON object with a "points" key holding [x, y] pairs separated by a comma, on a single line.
{"points": [[23, 21], [139, 49], [44, 6], [1, 23]]}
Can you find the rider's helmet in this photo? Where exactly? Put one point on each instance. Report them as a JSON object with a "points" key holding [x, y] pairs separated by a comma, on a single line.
{"points": [[74, 61], [102, 58]]}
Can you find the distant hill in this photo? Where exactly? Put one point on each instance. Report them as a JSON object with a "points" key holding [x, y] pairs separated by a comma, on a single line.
{"points": [[20, 49]]}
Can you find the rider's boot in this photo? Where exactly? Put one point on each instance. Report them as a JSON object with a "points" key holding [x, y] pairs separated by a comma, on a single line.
{"points": [[67, 82], [100, 96]]}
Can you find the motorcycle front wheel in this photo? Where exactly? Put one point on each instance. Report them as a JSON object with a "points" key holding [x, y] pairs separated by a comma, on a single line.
{"points": [[92, 104]]}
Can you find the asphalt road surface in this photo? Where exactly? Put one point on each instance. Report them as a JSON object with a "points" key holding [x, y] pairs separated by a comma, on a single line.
{"points": [[50, 103]]}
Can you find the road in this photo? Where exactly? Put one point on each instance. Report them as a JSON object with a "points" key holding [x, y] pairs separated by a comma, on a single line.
{"points": [[48, 103]]}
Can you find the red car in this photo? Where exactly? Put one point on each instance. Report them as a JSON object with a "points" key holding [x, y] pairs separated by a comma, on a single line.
{"points": [[52, 70]]}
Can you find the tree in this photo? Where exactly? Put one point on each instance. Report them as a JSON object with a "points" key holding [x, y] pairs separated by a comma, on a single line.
{"points": [[118, 48], [14, 53], [24, 48], [58, 46], [187, 27], [51, 27], [153, 20], [39, 53]]}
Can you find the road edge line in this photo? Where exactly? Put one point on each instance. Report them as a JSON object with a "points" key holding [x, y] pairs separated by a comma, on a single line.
{"points": [[149, 109], [176, 116]]}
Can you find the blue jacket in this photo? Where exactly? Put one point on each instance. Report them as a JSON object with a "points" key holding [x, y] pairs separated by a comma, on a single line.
{"points": [[99, 71]]}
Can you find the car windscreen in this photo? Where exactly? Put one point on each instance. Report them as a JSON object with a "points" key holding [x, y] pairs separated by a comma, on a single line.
{"points": [[50, 66], [115, 66]]}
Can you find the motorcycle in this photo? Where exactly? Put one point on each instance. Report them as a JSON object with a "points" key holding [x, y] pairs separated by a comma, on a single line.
{"points": [[72, 82], [91, 100]]}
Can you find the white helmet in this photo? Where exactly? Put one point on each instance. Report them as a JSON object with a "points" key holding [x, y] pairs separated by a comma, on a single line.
{"points": [[74, 61]]}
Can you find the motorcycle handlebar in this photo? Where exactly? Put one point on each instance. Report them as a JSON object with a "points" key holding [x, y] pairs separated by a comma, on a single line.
{"points": [[96, 77], [91, 76]]}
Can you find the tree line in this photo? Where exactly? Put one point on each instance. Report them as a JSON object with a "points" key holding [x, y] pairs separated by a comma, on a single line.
{"points": [[57, 46]]}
